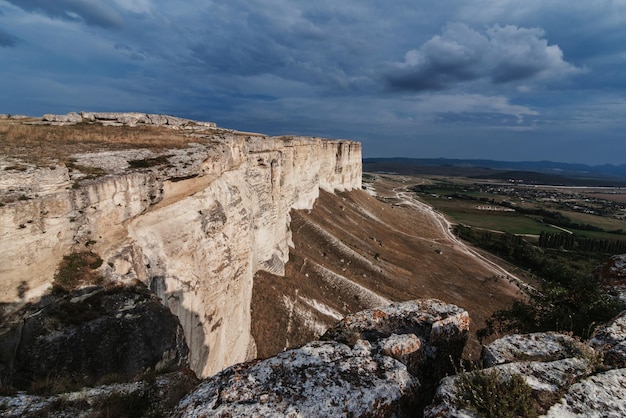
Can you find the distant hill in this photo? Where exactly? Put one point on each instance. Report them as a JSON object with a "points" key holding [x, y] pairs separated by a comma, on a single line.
{"points": [[534, 172]]}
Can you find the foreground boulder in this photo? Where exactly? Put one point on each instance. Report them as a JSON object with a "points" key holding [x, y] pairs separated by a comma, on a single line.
{"points": [[318, 379], [87, 337], [423, 334], [378, 362]]}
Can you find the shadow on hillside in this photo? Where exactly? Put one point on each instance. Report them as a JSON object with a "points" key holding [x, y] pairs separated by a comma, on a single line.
{"points": [[190, 321]]}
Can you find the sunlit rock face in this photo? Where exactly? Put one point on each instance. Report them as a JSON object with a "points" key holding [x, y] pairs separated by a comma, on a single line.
{"points": [[194, 224]]}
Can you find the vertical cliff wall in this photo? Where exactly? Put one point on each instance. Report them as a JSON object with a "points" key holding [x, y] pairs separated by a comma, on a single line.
{"points": [[194, 223]]}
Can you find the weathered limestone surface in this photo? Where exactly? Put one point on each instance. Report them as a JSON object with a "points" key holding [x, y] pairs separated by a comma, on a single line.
{"points": [[142, 398], [423, 334], [373, 363], [126, 118], [194, 228], [326, 379], [610, 340], [601, 395], [541, 346], [567, 377]]}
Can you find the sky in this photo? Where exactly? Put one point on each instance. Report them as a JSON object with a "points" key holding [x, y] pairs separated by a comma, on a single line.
{"points": [[513, 80]]}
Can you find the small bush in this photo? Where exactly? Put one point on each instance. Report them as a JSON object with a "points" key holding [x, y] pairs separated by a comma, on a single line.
{"points": [[493, 395], [149, 162], [77, 269]]}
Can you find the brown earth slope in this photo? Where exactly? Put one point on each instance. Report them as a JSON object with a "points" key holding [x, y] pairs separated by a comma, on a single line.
{"points": [[354, 251]]}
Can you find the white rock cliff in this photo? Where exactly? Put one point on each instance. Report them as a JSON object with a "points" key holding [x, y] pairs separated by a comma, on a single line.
{"points": [[193, 223]]}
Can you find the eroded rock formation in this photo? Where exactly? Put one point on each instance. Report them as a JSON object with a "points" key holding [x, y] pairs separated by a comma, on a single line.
{"points": [[194, 222], [374, 363]]}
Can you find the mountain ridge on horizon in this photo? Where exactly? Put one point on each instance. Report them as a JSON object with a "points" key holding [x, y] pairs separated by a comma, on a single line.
{"points": [[580, 170]]}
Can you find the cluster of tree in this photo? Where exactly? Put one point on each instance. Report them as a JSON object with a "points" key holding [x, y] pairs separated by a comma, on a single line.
{"points": [[568, 299], [576, 307], [572, 242]]}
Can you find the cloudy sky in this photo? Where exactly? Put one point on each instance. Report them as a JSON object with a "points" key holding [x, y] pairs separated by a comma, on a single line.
{"points": [[502, 79]]}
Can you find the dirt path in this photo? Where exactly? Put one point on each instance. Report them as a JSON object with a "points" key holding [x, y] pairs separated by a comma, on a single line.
{"points": [[447, 229], [404, 197]]}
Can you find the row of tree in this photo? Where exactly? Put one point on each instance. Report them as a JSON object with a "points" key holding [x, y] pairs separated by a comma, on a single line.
{"points": [[573, 242]]}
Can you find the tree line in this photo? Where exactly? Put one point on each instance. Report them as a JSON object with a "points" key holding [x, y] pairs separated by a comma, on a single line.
{"points": [[573, 242]]}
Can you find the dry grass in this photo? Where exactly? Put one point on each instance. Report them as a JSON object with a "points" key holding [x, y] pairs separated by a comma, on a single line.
{"points": [[41, 143]]}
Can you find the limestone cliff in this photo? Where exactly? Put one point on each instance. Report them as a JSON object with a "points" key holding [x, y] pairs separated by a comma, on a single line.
{"points": [[192, 221]]}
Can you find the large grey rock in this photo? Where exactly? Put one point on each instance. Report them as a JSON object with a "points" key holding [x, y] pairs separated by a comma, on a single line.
{"points": [[318, 379], [423, 334], [601, 395], [610, 340], [377, 362], [89, 335], [541, 346], [545, 379]]}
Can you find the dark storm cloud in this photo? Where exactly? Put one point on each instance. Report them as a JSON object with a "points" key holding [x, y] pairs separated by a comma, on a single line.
{"points": [[397, 75], [6, 39], [501, 54], [92, 12]]}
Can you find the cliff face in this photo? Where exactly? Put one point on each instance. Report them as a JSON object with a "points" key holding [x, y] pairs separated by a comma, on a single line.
{"points": [[194, 223]]}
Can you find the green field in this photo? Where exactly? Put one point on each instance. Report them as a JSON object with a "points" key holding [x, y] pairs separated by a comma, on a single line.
{"points": [[464, 210]]}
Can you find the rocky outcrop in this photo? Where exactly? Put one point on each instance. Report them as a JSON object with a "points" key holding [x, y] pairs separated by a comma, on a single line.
{"points": [[318, 379], [193, 223], [127, 119], [374, 363], [422, 334], [145, 398], [542, 346], [612, 276], [87, 336], [562, 376]]}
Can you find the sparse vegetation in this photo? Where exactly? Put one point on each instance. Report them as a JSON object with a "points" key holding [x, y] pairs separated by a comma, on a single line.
{"points": [[149, 162], [77, 269], [494, 395], [31, 143], [576, 307]]}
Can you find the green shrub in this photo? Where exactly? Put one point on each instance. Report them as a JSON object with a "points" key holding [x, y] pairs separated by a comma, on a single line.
{"points": [[77, 269], [149, 162], [576, 307], [494, 395]]}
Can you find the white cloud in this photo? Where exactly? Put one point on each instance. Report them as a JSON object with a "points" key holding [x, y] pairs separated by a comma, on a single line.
{"points": [[501, 54]]}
